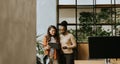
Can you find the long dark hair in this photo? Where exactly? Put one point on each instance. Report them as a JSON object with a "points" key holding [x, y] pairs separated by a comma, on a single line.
{"points": [[56, 36]]}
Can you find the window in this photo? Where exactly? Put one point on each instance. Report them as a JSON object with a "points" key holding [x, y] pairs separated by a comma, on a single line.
{"points": [[90, 17]]}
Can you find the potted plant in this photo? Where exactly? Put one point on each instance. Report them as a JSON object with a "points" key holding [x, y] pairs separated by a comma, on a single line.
{"points": [[39, 50], [104, 16], [88, 27], [85, 29]]}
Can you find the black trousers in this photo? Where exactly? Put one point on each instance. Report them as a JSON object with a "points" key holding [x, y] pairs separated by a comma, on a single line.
{"points": [[68, 59]]}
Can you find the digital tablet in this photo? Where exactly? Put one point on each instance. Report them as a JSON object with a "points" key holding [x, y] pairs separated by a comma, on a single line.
{"points": [[54, 45]]}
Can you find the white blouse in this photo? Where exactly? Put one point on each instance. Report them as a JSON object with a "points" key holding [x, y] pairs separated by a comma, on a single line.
{"points": [[67, 40]]}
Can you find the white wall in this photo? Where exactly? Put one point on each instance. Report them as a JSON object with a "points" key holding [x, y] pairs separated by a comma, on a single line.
{"points": [[46, 15]]}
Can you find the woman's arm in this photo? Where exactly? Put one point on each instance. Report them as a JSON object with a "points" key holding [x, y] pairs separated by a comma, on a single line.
{"points": [[73, 42], [45, 43]]}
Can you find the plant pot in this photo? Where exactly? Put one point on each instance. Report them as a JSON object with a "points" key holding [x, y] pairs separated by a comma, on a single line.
{"points": [[83, 51]]}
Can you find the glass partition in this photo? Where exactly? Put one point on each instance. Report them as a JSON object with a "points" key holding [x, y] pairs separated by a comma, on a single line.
{"points": [[103, 1], [68, 15], [84, 2], [87, 13], [117, 1], [67, 2], [90, 18]]}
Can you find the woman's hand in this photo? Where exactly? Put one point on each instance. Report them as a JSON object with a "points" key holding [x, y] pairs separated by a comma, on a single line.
{"points": [[47, 47]]}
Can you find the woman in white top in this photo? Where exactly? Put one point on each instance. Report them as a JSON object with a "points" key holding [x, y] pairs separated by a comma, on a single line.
{"points": [[67, 42]]}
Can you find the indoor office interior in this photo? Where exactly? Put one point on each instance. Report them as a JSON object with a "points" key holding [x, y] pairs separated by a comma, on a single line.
{"points": [[86, 18], [23, 23]]}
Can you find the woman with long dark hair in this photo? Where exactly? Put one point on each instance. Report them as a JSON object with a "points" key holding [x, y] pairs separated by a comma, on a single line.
{"points": [[51, 37]]}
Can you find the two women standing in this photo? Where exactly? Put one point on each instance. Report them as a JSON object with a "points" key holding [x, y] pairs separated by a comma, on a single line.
{"points": [[65, 40]]}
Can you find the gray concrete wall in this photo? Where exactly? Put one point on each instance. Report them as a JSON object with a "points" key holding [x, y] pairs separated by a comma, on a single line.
{"points": [[17, 31], [46, 15]]}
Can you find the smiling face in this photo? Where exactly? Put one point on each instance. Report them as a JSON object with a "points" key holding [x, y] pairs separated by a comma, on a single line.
{"points": [[52, 31]]}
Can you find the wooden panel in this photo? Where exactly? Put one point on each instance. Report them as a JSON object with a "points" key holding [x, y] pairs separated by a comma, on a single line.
{"points": [[17, 31]]}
